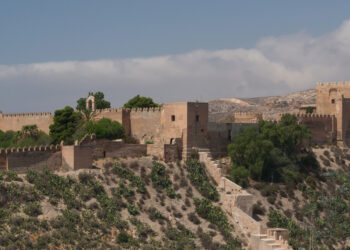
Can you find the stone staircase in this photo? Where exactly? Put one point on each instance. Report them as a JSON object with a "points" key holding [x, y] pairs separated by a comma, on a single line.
{"points": [[238, 203]]}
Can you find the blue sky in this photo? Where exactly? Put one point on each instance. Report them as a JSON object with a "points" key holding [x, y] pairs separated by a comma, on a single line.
{"points": [[40, 31], [53, 52]]}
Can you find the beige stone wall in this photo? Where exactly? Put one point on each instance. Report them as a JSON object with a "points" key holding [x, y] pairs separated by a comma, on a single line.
{"points": [[156, 150], [17, 121], [171, 129], [68, 157], [326, 92], [247, 117], [145, 124]]}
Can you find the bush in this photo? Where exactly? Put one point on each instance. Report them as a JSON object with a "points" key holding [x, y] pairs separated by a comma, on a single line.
{"points": [[200, 180], [239, 175], [161, 179], [193, 218], [105, 129], [136, 181], [132, 209], [213, 214], [32, 209]]}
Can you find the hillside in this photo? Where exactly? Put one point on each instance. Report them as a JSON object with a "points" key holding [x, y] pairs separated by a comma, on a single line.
{"points": [[268, 106], [316, 211], [130, 203]]}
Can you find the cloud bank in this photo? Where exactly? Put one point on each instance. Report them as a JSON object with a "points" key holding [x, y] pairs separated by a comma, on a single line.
{"points": [[276, 65]]}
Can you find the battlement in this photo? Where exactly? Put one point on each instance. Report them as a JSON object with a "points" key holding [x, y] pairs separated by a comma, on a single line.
{"points": [[333, 84], [19, 115], [156, 109], [44, 148], [314, 115], [246, 114]]}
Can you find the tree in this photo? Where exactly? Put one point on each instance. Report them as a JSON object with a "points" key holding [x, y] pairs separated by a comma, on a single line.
{"points": [[268, 150], [100, 102], [140, 102], [65, 124], [106, 129]]}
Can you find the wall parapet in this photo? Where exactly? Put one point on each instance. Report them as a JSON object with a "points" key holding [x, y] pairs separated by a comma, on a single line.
{"points": [[43, 148], [15, 115], [115, 110], [313, 115], [333, 84]]}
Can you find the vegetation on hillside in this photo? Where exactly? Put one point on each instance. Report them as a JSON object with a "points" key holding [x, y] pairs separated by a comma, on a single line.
{"points": [[124, 205], [140, 102], [316, 210]]}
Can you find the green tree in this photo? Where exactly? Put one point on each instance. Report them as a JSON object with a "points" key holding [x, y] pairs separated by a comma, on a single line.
{"points": [[105, 129], [65, 123], [100, 102], [269, 150], [140, 102]]}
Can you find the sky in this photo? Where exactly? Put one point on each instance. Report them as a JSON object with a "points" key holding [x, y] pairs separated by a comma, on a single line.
{"points": [[54, 52]]}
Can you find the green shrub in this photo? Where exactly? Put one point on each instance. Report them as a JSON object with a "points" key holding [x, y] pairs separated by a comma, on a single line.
{"points": [[161, 179], [239, 175], [132, 209], [32, 209], [105, 129], [200, 180], [136, 181], [213, 214]]}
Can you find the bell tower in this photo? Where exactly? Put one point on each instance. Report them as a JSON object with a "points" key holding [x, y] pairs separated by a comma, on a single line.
{"points": [[90, 102]]}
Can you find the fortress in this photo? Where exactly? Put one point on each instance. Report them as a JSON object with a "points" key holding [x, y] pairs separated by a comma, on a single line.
{"points": [[329, 118], [173, 132]]}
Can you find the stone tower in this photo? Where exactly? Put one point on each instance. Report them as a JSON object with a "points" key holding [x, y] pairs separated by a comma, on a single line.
{"points": [[90, 102]]}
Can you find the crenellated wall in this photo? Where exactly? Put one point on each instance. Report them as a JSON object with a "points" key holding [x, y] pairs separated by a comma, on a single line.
{"points": [[323, 128], [17, 121], [39, 157], [247, 117]]}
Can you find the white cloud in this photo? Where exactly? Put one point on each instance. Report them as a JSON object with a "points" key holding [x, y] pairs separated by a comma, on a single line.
{"points": [[275, 66]]}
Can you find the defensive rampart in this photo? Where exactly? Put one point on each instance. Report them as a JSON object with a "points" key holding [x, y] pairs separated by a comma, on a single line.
{"points": [[247, 117], [323, 128], [17, 121], [38, 158]]}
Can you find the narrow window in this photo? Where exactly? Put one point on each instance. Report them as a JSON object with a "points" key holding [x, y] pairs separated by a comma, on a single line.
{"points": [[229, 135], [173, 118], [197, 118], [333, 101]]}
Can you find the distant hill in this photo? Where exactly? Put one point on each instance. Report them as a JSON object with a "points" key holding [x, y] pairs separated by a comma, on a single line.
{"points": [[270, 107]]}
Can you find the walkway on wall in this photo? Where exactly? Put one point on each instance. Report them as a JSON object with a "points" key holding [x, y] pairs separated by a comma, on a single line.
{"points": [[238, 203]]}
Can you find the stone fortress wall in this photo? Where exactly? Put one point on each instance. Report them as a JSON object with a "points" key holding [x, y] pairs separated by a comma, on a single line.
{"points": [[330, 120], [17, 121], [247, 117]]}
